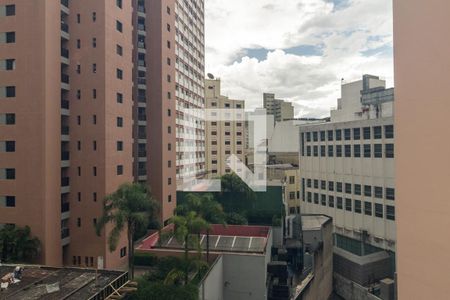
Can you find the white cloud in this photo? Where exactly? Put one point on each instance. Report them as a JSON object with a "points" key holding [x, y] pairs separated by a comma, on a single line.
{"points": [[354, 39]]}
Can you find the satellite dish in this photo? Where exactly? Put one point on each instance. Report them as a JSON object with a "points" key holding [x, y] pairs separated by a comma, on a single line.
{"points": [[210, 76]]}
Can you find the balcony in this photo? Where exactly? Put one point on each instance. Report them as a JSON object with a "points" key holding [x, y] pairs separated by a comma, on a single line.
{"points": [[65, 157], [65, 236], [65, 130], [65, 181], [65, 3], [65, 31], [65, 210], [142, 80], [142, 117], [142, 153], [142, 99], [65, 104], [141, 45], [65, 81], [65, 56]]}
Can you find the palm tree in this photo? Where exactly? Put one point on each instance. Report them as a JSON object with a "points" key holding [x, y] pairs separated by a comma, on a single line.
{"points": [[128, 208], [17, 244], [185, 227], [206, 207]]}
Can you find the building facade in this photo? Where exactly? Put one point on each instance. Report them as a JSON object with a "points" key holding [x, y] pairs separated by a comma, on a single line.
{"points": [[347, 168], [280, 109], [168, 79], [422, 161], [61, 158], [223, 138]]}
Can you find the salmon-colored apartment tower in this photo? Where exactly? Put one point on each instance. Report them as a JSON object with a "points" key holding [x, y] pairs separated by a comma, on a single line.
{"points": [[65, 122], [169, 76], [422, 78]]}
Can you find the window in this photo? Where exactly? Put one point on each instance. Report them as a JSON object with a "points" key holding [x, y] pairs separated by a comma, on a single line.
{"points": [[168, 10], [94, 221], [389, 131], [356, 133], [123, 252], [8, 91], [316, 183], [377, 134], [8, 201], [390, 193], [291, 179], [348, 188], [389, 150], [339, 187], [10, 37], [169, 198], [330, 201], [78, 94], [79, 120], [348, 150], [316, 151], [378, 192], [94, 16], [323, 200], [315, 136], [119, 122], [79, 145], [119, 74], [348, 204], [10, 10], [119, 146], [94, 171], [366, 133], [168, 27], [338, 150], [10, 146], [79, 222], [357, 189], [78, 18], [292, 195], [330, 135], [79, 196], [309, 197], [94, 93], [94, 119], [368, 208], [169, 147], [119, 50], [378, 150], [169, 62], [330, 151], [316, 198], [79, 171], [10, 119], [78, 43], [308, 183], [322, 136], [168, 44], [119, 170], [367, 191], [358, 208], [357, 150], [78, 69], [367, 152], [378, 210], [9, 64], [338, 134], [169, 181], [339, 202], [94, 197], [322, 151], [94, 145], [169, 79], [119, 26], [323, 185], [119, 98], [308, 136], [330, 186], [94, 42], [390, 212], [347, 134], [119, 3], [308, 150]]}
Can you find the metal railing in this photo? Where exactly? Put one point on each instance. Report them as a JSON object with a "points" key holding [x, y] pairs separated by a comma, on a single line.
{"points": [[65, 181], [65, 207], [65, 78], [65, 52], [65, 155], [65, 104], [65, 233], [65, 130], [65, 27]]}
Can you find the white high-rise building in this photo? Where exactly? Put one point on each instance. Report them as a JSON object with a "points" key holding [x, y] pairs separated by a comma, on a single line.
{"points": [[347, 170]]}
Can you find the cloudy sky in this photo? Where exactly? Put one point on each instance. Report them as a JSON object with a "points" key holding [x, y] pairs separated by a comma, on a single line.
{"points": [[298, 49]]}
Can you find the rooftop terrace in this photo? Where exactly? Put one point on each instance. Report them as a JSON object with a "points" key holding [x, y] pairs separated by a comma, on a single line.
{"points": [[61, 283]]}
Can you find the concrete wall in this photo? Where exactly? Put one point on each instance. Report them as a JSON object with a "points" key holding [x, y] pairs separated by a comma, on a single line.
{"points": [[212, 286], [351, 291], [244, 277], [422, 62]]}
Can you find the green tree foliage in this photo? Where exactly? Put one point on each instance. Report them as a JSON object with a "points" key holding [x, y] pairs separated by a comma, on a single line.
{"points": [[129, 208], [17, 244], [236, 219]]}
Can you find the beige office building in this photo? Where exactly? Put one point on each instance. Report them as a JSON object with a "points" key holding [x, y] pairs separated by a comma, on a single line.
{"points": [[65, 122], [422, 64], [280, 109], [223, 138]]}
